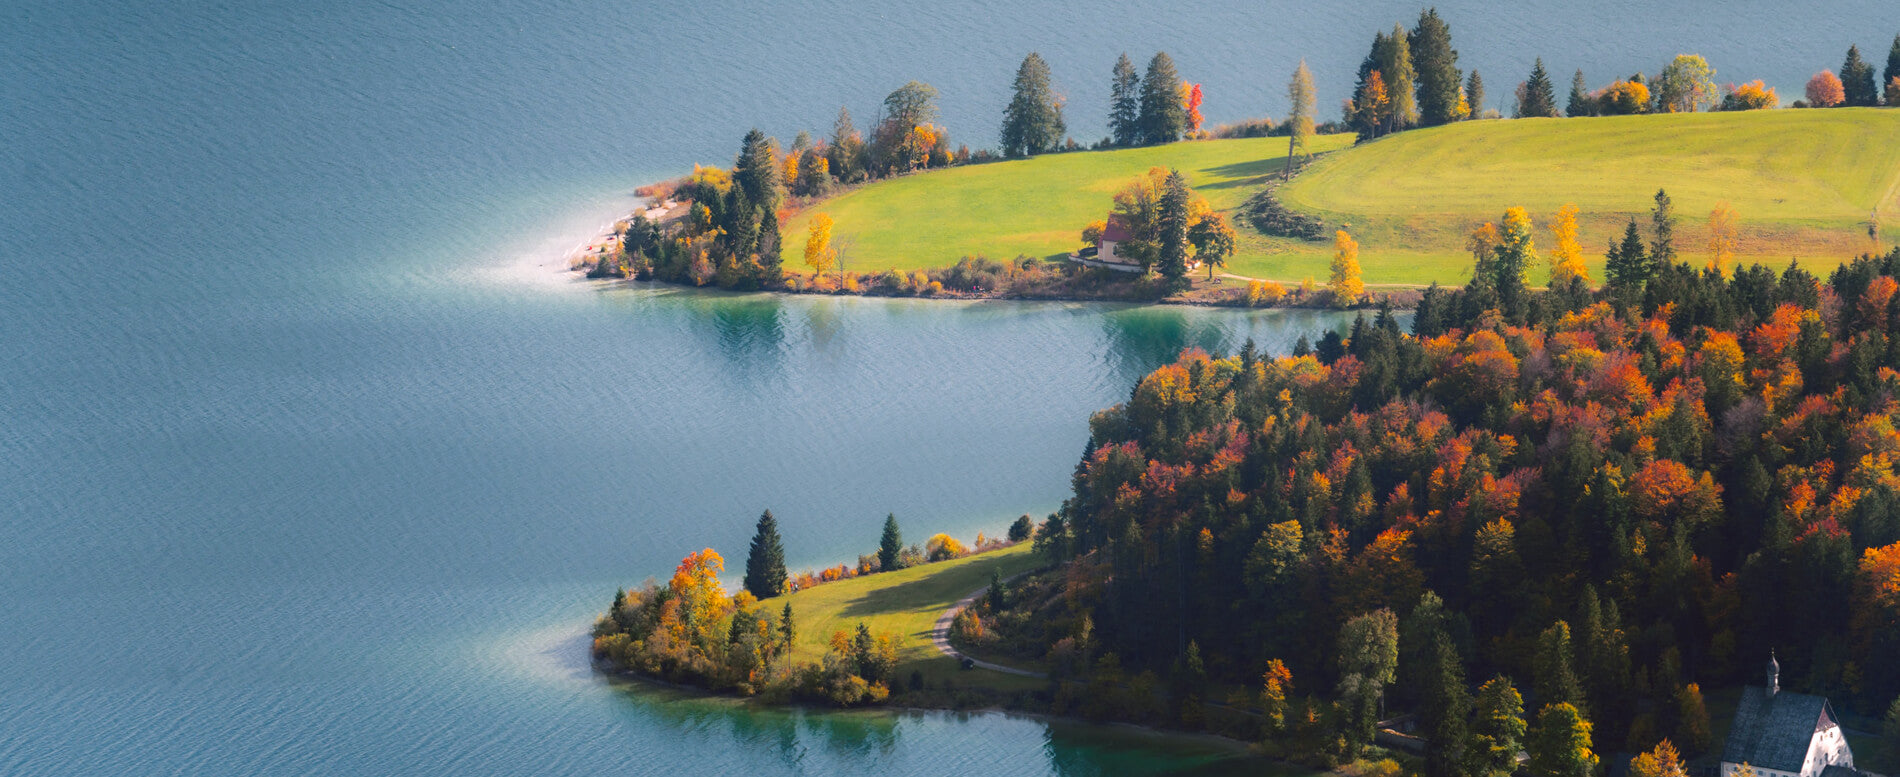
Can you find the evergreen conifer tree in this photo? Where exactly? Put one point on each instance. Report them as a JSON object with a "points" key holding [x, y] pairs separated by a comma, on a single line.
{"points": [[1857, 80], [998, 596], [770, 241], [1032, 122], [1662, 225], [1163, 117], [1446, 705], [1362, 113], [1474, 94], [1557, 681], [1172, 239], [1540, 98], [757, 171], [787, 628], [1628, 264], [1124, 105], [1580, 102], [845, 156], [1437, 64], [765, 565], [891, 546], [1892, 73]]}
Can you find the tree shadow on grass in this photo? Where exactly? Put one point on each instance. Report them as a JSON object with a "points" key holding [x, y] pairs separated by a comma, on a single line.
{"points": [[1244, 173], [924, 592]]}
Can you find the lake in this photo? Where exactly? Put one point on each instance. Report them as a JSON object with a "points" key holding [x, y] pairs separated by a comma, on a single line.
{"points": [[315, 462]]}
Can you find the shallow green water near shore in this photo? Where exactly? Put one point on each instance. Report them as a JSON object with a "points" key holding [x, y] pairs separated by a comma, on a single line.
{"points": [[312, 463]]}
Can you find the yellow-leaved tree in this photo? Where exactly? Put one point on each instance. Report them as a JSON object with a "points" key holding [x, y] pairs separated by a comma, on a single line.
{"points": [[1346, 284], [818, 253], [1566, 255], [1724, 238]]}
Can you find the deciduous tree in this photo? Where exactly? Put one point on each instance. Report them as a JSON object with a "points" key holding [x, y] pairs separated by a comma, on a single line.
{"points": [[1560, 745], [1301, 98], [1723, 237], [1395, 62], [1566, 254], [1686, 85], [1825, 90], [1497, 729], [1663, 761], [1345, 283], [818, 253]]}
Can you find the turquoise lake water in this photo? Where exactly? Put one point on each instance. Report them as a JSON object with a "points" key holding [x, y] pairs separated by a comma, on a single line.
{"points": [[314, 462]]}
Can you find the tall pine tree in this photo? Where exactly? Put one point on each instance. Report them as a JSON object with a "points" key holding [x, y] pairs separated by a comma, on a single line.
{"points": [[1889, 76], [890, 547], [1163, 117], [1580, 102], [1474, 95], [1539, 98], [765, 565], [1857, 80], [1032, 123], [1437, 65], [1628, 265], [1173, 230], [1662, 227], [1124, 104], [757, 170]]}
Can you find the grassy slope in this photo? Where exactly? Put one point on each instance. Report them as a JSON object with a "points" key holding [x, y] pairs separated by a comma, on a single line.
{"points": [[907, 603], [1802, 183], [1029, 206]]}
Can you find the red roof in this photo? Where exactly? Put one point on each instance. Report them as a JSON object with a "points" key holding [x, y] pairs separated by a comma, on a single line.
{"points": [[1115, 233]]}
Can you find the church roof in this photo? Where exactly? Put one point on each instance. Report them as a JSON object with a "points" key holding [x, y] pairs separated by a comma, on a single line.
{"points": [[1773, 732], [1837, 770]]}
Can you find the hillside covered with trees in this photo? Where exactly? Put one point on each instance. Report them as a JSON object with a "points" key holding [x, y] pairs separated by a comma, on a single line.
{"points": [[1585, 504]]}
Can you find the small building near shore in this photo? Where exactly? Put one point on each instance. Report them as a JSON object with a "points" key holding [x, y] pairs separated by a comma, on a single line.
{"points": [[1103, 254], [1779, 733]]}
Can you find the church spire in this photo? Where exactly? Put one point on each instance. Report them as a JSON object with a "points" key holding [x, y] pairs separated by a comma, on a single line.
{"points": [[1774, 674]]}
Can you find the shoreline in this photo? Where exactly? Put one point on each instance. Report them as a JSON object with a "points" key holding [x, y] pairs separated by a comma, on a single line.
{"points": [[1200, 292], [615, 674]]}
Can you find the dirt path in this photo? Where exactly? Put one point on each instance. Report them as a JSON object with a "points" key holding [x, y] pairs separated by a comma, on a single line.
{"points": [[940, 636]]}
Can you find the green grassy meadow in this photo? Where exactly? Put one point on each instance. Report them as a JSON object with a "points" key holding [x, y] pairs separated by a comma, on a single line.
{"points": [[1034, 206], [1803, 183], [906, 603]]}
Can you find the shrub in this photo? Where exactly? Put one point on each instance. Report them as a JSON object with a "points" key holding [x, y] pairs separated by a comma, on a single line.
{"points": [[943, 546], [1264, 293], [1751, 96], [1021, 529], [1623, 98]]}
